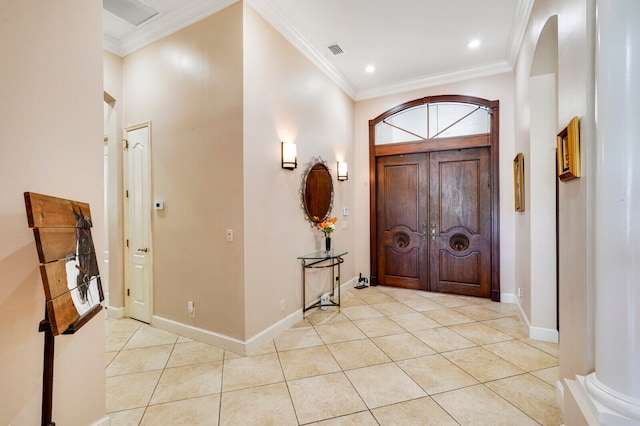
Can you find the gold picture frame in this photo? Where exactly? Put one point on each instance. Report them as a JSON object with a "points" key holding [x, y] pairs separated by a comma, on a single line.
{"points": [[518, 182], [568, 151]]}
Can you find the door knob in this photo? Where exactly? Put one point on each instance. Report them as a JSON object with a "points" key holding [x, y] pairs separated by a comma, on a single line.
{"points": [[433, 231], [144, 250], [423, 234]]}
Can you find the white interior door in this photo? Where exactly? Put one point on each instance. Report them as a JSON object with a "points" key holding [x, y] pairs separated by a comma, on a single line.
{"points": [[138, 222]]}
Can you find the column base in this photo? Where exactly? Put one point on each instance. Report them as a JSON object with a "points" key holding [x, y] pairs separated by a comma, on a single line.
{"points": [[601, 405]]}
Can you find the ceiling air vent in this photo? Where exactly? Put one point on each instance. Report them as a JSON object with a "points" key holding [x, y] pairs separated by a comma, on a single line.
{"points": [[335, 49], [133, 11]]}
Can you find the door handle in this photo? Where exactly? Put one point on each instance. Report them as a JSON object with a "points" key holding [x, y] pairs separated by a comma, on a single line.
{"points": [[423, 234], [433, 231], [144, 250]]}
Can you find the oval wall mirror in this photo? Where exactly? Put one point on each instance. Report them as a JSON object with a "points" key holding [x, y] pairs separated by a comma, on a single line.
{"points": [[316, 191]]}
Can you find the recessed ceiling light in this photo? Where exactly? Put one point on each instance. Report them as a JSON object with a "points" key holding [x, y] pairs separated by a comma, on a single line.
{"points": [[370, 68], [473, 44]]}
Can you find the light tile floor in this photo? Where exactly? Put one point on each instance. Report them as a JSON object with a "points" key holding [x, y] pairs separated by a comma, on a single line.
{"points": [[388, 357]]}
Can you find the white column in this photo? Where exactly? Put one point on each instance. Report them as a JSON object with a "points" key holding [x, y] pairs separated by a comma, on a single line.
{"points": [[615, 385]]}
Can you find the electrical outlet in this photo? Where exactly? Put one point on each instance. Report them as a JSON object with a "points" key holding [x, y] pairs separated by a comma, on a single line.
{"points": [[191, 308], [519, 292], [282, 305], [345, 211]]}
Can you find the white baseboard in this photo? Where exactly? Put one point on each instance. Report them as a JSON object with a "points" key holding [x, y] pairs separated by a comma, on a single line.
{"points": [[536, 333], [584, 402], [116, 313], [252, 345], [232, 344], [508, 298], [272, 332], [349, 284], [105, 421], [199, 334], [247, 347], [523, 317], [544, 334], [560, 394]]}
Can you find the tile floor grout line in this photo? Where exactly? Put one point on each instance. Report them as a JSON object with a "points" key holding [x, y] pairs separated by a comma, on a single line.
{"points": [[224, 360], [428, 395], [314, 324], [286, 383], [392, 361], [480, 382], [511, 403], [156, 386]]}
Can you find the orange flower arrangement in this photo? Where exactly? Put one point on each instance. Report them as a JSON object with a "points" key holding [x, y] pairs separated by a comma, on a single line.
{"points": [[327, 226]]}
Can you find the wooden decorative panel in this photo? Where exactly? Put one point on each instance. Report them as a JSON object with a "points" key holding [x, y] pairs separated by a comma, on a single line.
{"points": [[69, 267], [461, 270], [402, 264]]}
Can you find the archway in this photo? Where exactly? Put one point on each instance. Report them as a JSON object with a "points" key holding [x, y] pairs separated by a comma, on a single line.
{"points": [[542, 306]]}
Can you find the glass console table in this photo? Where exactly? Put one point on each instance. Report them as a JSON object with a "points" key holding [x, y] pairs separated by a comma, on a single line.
{"points": [[322, 259]]}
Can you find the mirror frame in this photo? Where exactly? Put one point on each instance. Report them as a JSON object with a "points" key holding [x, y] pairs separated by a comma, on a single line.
{"points": [[315, 161]]}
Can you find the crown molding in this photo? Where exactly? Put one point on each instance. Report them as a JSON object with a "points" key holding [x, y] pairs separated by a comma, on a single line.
{"points": [[272, 14], [166, 24], [435, 80], [110, 44], [518, 29]]}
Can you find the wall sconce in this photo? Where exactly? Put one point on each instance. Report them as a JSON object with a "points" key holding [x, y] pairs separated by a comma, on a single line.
{"points": [[343, 174], [289, 156]]}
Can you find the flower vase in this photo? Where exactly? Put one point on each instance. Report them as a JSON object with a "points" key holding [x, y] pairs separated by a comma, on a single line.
{"points": [[327, 243]]}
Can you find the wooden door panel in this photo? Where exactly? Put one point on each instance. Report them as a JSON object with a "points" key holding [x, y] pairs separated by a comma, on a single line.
{"points": [[460, 222], [463, 270], [400, 186], [402, 264], [402, 215], [459, 192]]}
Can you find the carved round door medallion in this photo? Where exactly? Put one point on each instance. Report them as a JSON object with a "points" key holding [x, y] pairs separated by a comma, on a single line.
{"points": [[459, 242], [401, 239]]}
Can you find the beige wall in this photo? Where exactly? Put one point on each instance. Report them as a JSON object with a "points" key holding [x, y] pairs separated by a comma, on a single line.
{"points": [[541, 192], [286, 98], [221, 95], [112, 66], [497, 87], [189, 85], [576, 86], [50, 142], [215, 148]]}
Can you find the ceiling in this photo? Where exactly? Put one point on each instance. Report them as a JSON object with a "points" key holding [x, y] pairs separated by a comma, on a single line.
{"points": [[411, 43]]}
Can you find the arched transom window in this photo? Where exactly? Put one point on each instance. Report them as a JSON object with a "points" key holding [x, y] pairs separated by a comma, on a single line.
{"points": [[433, 121]]}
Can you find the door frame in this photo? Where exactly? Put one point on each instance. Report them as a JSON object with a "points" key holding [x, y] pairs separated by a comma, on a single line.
{"points": [[442, 144], [126, 224], [105, 248]]}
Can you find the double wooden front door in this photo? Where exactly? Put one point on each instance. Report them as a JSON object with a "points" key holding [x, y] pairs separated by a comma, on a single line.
{"points": [[434, 221]]}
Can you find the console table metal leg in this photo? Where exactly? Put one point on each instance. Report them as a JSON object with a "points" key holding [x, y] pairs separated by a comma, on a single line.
{"points": [[333, 278], [304, 287], [339, 284]]}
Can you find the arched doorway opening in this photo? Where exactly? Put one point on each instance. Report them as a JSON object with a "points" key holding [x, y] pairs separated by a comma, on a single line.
{"points": [[539, 224]]}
